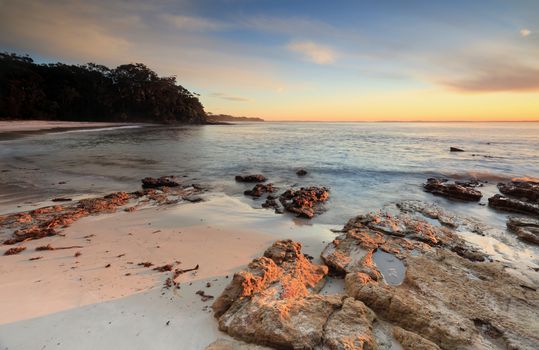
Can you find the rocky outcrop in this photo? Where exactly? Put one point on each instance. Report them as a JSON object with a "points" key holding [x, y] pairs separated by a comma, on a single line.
{"points": [[444, 289], [259, 190], [513, 205], [526, 229], [163, 181], [527, 191], [440, 187], [305, 201], [251, 178], [276, 291], [443, 298]]}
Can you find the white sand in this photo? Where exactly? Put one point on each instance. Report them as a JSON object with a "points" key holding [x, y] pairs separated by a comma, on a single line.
{"points": [[58, 303], [34, 125]]}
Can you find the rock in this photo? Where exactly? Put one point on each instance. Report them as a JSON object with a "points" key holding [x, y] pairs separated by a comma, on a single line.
{"points": [[438, 299], [276, 291], [271, 202], [350, 328], [455, 149], [163, 181], [251, 178], [527, 191], [61, 199], [412, 341], [14, 250], [446, 300], [259, 190], [301, 172], [226, 344], [455, 191], [514, 205], [304, 202], [526, 229], [283, 264], [283, 323]]}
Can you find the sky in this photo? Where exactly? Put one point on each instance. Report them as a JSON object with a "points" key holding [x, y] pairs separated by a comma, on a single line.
{"points": [[362, 60]]}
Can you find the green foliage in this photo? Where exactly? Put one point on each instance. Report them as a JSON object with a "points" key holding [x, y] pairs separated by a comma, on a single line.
{"points": [[92, 92]]}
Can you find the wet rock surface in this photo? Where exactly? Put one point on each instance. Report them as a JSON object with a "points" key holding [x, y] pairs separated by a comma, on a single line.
{"points": [[513, 205], [449, 295], [441, 187], [163, 181], [304, 202], [301, 172], [525, 228], [251, 178], [527, 191], [259, 190]]}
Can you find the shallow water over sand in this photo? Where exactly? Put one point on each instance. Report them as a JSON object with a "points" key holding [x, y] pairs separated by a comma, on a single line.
{"points": [[366, 165]]}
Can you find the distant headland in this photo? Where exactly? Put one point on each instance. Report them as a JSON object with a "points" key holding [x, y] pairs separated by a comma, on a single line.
{"points": [[218, 118]]}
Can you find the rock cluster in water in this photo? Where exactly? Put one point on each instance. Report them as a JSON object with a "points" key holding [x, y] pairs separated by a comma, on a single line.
{"points": [[304, 202], [448, 296]]}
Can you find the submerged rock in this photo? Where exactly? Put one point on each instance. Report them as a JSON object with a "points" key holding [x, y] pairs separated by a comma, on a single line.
{"points": [[163, 181], [442, 188], [525, 228], [527, 191], [305, 201], [301, 172], [251, 178], [455, 149], [259, 190], [514, 205]]}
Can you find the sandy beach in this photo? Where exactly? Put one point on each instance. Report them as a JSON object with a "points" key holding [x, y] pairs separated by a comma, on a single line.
{"points": [[61, 299], [36, 125]]}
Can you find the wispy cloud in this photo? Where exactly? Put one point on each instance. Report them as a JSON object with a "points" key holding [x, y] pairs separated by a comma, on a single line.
{"points": [[313, 52], [525, 32], [194, 23], [229, 97], [498, 76]]}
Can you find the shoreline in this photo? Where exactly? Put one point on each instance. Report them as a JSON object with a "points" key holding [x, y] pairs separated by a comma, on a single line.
{"points": [[221, 234]]}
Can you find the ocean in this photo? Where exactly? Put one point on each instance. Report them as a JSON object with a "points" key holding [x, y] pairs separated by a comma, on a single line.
{"points": [[365, 165]]}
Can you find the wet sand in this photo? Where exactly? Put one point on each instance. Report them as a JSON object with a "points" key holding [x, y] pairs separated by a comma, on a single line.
{"points": [[70, 302]]}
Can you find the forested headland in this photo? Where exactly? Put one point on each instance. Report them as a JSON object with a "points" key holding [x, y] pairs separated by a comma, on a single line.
{"points": [[92, 92]]}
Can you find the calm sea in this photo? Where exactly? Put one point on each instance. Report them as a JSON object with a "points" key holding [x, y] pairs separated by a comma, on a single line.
{"points": [[366, 165]]}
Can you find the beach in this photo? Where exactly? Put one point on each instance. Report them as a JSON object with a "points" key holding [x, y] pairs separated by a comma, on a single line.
{"points": [[62, 299], [102, 290]]}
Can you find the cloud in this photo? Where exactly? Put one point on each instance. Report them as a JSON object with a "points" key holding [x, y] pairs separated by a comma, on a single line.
{"points": [[313, 52], [525, 32], [496, 76], [229, 97], [194, 23]]}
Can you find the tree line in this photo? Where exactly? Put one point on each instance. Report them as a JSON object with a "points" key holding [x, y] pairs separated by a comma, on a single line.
{"points": [[92, 92]]}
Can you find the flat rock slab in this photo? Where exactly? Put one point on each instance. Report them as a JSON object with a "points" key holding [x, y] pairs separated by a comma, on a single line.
{"points": [[513, 205], [441, 187], [527, 191], [525, 228]]}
